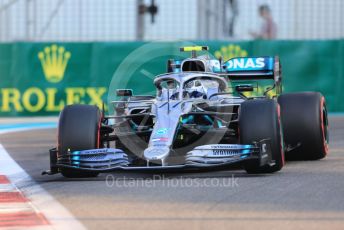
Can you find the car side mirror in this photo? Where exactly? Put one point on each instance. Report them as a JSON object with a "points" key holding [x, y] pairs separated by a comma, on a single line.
{"points": [[124, 92]]}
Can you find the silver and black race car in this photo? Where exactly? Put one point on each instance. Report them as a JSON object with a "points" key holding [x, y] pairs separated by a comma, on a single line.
{"points": [[206, 114]]}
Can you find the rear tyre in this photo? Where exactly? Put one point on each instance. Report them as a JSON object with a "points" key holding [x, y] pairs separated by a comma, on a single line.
{"points": [[305, 125], [78, 129], [259, 119]]}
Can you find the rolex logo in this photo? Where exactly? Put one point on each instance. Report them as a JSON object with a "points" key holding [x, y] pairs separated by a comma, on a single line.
{"points": [[54, 60], [230, 51]]}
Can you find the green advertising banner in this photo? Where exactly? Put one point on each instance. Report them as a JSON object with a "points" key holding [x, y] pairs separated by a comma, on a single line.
{"points": [[41, 78]]}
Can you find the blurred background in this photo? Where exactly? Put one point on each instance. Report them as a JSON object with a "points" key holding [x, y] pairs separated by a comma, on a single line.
{"points": [[52, 51], [131, 20]]}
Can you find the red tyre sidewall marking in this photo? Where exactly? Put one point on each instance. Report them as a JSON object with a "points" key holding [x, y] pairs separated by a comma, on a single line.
{"points": [[281, 133], [98, 138], [238, 125], [325, 144]]}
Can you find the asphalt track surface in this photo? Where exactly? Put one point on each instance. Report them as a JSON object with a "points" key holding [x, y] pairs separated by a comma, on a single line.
{"points": [[304, 195]]}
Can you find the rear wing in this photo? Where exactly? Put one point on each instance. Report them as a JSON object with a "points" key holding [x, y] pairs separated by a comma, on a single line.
{"points": [[254, 68], [250, 68]]}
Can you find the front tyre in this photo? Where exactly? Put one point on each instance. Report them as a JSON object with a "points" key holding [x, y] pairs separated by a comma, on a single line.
{"points": [[78, 129], [259, 119]]}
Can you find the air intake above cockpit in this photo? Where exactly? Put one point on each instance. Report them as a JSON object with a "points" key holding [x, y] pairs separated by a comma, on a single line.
{"points": [[193, 65]]}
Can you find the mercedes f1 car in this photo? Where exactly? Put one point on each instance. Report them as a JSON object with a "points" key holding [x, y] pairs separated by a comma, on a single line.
{"points": [[206, 114]]}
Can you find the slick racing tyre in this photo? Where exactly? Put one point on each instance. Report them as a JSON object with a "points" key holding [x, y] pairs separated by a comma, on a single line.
{"points": [[259, 119], [78, 129], [305, 125]]}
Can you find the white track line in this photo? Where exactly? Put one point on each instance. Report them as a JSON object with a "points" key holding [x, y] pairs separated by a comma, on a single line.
{"points": [[58, 216], [15, 207], [6, 187], [13, 130]]}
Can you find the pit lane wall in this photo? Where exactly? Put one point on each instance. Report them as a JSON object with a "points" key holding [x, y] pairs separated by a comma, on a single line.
{"points": [[41, 78]]}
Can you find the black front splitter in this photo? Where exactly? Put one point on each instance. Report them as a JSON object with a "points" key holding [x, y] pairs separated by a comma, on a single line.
{"points": [[234, 164]]}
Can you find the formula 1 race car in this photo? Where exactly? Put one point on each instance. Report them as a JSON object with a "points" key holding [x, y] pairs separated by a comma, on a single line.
{"points": [[206, 114]]}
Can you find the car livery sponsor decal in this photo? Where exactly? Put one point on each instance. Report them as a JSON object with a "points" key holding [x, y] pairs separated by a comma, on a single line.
{"points": [[229, 146], [250, 64], [225, 152], [161, 131], [162, 139]]}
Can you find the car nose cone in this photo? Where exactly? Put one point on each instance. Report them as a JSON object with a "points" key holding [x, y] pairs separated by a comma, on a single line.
{"points": [[156, 153]]}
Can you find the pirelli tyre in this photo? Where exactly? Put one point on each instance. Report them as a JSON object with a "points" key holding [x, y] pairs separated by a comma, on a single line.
{"points": [[260, 119], [78, 129], [305, 125]]}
